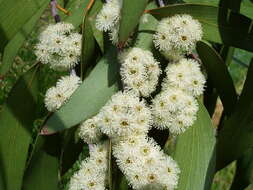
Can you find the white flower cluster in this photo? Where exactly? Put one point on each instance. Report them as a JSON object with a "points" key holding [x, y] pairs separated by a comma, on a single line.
{"points": [[126, 118], [108, 19], [124, 115], [59, 46], [145, 165], [139, 71], [89, 131], [185, 74], [177, 35], [176, 107], [93, 171], [56, 96]]}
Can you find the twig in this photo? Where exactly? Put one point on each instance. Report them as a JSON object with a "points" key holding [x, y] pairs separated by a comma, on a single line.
{"points": [[110, 164], [160, 3], [66, 12], [54, 11]]}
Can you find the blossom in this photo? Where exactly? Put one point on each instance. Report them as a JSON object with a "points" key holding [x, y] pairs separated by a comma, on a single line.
{"points": [[144, 164], [178, 33], [56, 96], [89, 131], [109, 15], [59, 46], [123, 115], [93, 170], [174, 109], [139, 71], [186, 75], [108, 19]]}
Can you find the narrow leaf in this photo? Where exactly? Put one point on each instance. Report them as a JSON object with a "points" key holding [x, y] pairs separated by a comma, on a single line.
{"points": [[14, 14], [218, 74], [236, 135], [195, 153], [12, 48], [42, 173], [219, 25], [88, 40], [16, 123], [244, 171], [130, 15], [76, 9]]}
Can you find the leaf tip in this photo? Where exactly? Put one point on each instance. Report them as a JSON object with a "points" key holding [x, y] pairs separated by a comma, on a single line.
{"points": [[45, 131]]}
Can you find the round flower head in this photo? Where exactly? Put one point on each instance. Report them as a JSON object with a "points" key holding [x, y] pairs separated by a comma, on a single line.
{"points": [[93, 170], [174, 109], [59, 46], [123, 115], [186, 75], [89, 131], [109, 15], [139, 71], [56, 96], [144, 164], [177, 33]]}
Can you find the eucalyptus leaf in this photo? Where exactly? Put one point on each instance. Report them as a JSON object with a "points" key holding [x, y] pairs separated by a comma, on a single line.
{"points": [[246, 6], [16, 124], [88, 39], [244, 171], [76, 9], [218, 74], [14, 14], [235, 137], [42, 173], [195, 153], [219, 24], [12, 48], [131, 12]]}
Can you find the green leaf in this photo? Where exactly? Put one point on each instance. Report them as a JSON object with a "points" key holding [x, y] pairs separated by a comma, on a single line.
{"points": [[236, 135], [234, 5], [131, 12], [72, 146], [14, 14], [219, 76], [219, 25], [42, 173], [88, 40], [244, 171], [16, 123], [11, 49], [90, 96], [76, 8], [195, 153], [246, 6]]}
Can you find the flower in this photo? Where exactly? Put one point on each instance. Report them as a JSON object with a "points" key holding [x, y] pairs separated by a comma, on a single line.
{"points": [[144, 164], [108, 19], [174, 109], [89, 131], [93, 170], [186, 75], [178, 34], [139, 71], [59, 46], [56, 96], [109, 15], [123, 115]]}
